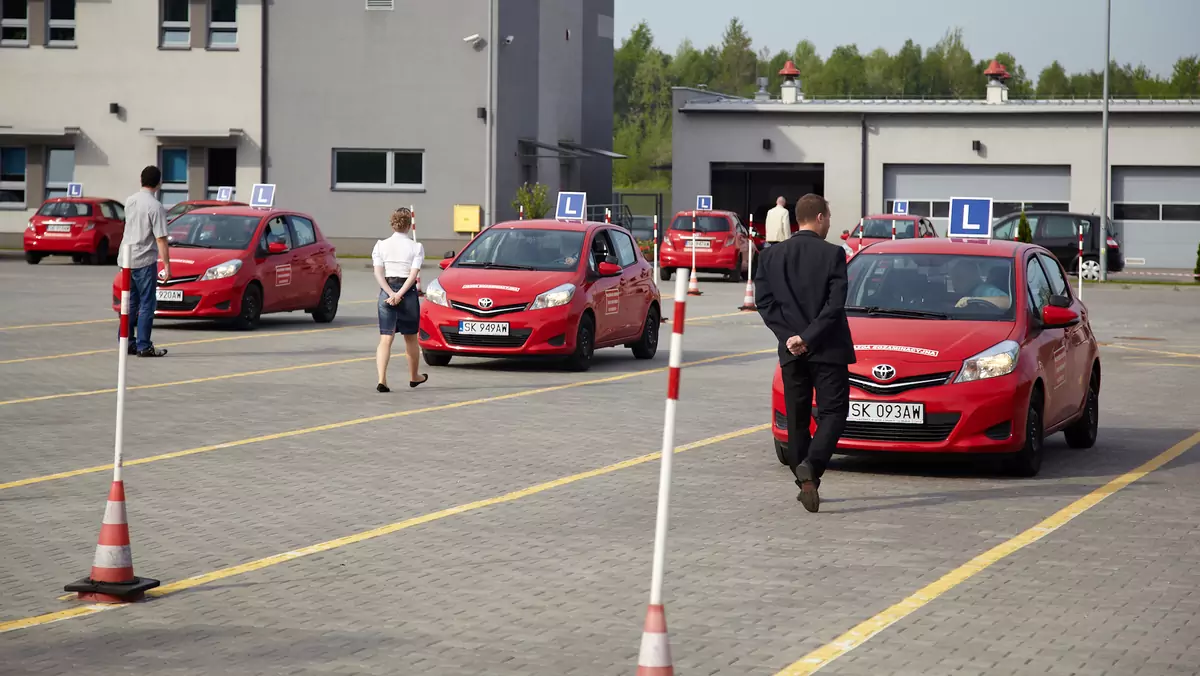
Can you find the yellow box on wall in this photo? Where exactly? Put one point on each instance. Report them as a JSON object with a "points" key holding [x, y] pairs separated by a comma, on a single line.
{"points": [[467, 217]]}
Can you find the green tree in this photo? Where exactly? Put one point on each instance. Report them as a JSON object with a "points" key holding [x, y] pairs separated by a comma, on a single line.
{"points": [[1019, 85], [906, 70], [1024, 234], [809, 63], [626, 61], [692, 67], [533, 199], [1196, 270], [771, 68], [880, 74], [844, 74], [737, 62], [1053, 82], [1185, 78]]}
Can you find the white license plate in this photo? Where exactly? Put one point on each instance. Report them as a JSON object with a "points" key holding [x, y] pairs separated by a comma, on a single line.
{"points": [[58, 228], [483, 328], [697, 244], [886, 412], [169, 295]]}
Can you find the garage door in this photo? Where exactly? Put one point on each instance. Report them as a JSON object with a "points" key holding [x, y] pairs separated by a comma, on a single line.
{"points": [[1156, 211], [929, 187]]}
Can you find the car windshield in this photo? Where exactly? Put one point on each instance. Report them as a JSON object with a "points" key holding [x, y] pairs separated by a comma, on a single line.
{"points": [[703, 223], [213, 231], [931, 286], [179, 209], [523, 249], [65, 209], [881, 228]]}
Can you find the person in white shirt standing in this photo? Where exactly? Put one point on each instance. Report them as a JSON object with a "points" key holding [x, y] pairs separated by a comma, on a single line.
{"points": [[778, 226], [397, 260]]}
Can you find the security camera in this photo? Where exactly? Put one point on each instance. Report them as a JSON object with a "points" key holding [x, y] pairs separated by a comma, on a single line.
{"points": [[508, 39], [471, 38]]}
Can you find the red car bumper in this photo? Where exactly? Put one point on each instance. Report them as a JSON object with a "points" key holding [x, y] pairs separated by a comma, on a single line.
{"points": [[723, 259], [214, 299], [531, 333], [978, 417], [61, 244]]}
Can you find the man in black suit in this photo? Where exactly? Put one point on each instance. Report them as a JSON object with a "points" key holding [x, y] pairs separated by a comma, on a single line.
{"points": [[800, 291]]}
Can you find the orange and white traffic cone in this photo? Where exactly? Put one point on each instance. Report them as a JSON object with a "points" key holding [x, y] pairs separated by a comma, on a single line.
{"points": [[694, 284], [112, 579], [748, 301], [654, 659]]}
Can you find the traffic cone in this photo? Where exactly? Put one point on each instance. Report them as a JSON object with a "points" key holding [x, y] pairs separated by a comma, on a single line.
{"points": [[654, 659], [748, 301], [694, 285], [112, 579]]}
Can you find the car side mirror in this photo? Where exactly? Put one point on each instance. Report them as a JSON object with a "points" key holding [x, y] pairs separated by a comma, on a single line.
{"points": [[607, 269], [276, 248], [845, 234], [1054, 317], [445, 263]]}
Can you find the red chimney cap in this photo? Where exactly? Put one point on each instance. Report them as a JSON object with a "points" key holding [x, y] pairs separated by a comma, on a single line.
{"points": [[789, 69], [997, 69]]}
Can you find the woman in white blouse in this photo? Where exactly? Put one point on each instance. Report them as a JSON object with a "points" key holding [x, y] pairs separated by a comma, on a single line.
{"points": [[397, 260]]}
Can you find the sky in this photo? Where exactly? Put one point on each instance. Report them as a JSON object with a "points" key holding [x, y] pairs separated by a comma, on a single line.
{"points": [[1035, 32]]}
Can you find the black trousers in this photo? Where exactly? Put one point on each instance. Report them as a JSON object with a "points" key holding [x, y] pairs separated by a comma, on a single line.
{"points": [[832, 383]]}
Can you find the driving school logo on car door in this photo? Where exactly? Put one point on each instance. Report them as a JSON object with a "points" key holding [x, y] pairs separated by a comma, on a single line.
{"points": [[283, 274], [612, 301]]}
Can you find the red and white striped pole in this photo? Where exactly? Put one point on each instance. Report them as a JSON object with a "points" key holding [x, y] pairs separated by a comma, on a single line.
{"points": [[607, 215], [112, 579], [693, 283], [861, 227], [654, 657], [893, 228], [656, 248], [748, 300], [1080, 262], [521, 212]]}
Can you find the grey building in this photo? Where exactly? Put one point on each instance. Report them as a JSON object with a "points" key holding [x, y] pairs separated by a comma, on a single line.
{"points": [[411, 103], [863, 154]]}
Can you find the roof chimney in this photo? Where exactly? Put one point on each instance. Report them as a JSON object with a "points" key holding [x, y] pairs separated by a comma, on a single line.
{"points": [[789, 91], [997, 91], [762, 94]]}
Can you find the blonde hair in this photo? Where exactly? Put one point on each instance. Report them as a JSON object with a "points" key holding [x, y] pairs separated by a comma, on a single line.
{"points": [[402, 220]]}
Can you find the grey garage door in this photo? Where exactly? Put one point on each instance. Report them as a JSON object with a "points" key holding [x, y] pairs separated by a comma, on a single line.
{"points": [[1156, 211], [929, 187]]}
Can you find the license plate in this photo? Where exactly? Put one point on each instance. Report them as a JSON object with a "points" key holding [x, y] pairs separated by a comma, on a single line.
{"points": [[169, 295], [885, 412], [58, 228], [483, 328], [697, 244]]}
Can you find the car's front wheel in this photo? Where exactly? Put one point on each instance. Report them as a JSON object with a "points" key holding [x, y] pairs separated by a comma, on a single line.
{"points": [[647, 345], [585, 345], [781, 452], [1028, 461], [436, 358], [1083, 432], [665, 274], [247, 319]]}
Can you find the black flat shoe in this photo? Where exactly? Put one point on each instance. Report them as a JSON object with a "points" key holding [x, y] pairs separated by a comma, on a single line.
{"points": [[152, 352], [414, 383], [382, 388]]}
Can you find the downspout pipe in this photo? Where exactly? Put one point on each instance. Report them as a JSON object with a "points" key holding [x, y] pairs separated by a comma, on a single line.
{"points": [[865, 173]]}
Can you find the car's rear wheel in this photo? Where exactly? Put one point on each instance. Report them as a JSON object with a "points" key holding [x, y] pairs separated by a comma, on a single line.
{"points": [[327, 308], [100, 255], [33, 258], [1091, 269], [737, 274], [585, 345], [781, 452], [647, 345], [251, 312], [436, 358], [1028, 461], [665, 274], [1082, 433]]}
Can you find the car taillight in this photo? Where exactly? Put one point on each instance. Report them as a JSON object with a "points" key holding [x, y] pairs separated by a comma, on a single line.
{"points": [[666, 243], [1112, 243], [89, 225], [31, 226], [730, 241]]}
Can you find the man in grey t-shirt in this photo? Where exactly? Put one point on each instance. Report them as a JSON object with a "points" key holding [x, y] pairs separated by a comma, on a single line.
{"points": [[146, 238]]}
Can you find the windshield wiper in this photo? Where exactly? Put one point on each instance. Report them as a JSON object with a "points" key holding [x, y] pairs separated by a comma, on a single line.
{"points": [[189, 244], [896, 312], [495, 266]]}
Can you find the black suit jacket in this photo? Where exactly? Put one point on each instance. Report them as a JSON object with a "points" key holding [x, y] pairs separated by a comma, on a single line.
{"points": [[800, 290]]}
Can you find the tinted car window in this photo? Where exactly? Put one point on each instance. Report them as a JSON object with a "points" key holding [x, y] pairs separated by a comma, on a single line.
{"points": [[305, 234], [277, 231], [703, 223], [179, 209], [65, 209], [961, 287], [626, 252], [1039, 285], [107, 211], [1056, 227], [213, 231], [881, 228], [523, 249], [1058, 281]]}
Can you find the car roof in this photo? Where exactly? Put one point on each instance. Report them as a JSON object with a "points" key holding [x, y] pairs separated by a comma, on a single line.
{"points": [[212, 203], [709, 212], [88, 199], [1029, 212], [997, 248], [550, 224], [894, 217], [241, 210]]}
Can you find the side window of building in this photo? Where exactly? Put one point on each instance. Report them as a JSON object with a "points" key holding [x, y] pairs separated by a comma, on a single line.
{"points": [[1058, 281], [305, 235], [626, 252], [1038, 285]]}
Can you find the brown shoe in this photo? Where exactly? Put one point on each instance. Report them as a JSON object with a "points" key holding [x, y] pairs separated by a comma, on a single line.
{"points": [[809, 496]]}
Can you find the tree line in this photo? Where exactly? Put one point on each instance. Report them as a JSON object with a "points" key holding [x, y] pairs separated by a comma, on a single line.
{"points": [[644, 75]]}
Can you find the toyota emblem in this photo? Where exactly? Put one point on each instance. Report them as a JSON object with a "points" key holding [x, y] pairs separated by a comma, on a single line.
{"points": [[884, 372], [485, 303]]}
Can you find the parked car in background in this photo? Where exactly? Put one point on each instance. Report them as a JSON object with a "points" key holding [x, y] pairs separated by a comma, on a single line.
{"points": [[88, 229], [721, 241], [182, 208], [642, 227], [1058, 231], [619, 213], [879, 228]]}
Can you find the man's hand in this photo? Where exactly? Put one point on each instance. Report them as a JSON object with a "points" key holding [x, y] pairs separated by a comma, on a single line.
{"points": [[165, 273], [796, 345]]}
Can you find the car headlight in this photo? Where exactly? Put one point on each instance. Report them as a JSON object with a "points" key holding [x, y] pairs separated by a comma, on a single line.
{"points": [[998, 360], [434, 293], [226, 269], [559, 295]]}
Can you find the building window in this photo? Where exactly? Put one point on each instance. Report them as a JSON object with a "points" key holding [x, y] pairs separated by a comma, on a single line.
{"points": [[60, 170], [1181, 212], [1136, 212], [222, 170], [378, 170], [174, 176], [222, 24], [60, 24], [381, 4], [14, 23], [1047, 206], [940, 210], [176, 24], [12, 177]]}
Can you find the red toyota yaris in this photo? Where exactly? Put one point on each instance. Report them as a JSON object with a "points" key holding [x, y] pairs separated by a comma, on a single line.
{"points": [[721, 241], [542, 288], [964, 347], [878, 228], [89, 229]]}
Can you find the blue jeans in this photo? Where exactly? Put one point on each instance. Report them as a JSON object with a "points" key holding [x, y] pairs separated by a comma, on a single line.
{"points": [[142, 302]]}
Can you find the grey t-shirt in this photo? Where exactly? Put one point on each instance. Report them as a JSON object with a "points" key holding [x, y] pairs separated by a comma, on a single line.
{"points": [[145, 219]]}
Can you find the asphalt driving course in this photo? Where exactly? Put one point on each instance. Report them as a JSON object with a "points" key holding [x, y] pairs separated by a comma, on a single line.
{"points": [[500, 518]]}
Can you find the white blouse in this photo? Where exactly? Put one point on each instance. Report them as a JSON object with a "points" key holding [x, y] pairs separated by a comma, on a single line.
{"points": [[398, 255]]}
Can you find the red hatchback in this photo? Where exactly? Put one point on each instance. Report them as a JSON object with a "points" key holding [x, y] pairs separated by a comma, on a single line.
{"points": [[542, 288], [964, 347], [239, 263], [88, 229], [879, 228], [721, 241]]}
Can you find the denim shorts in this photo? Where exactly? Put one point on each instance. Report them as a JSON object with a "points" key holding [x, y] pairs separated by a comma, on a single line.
{"points": [[402, 318]]}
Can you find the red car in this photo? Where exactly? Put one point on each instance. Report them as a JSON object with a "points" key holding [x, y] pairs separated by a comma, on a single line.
{"points": [[88, 229], [879, 228], [542, 288], [972, 347], [182, 208], [239, 263], [722, 244]]}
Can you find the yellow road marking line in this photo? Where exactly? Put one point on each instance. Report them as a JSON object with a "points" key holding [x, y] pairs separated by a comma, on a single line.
{"points": [[46, 326], [191, 381], [862, 633], [197, 580], [370, 419], [1143, 349], [1175, 365]]}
